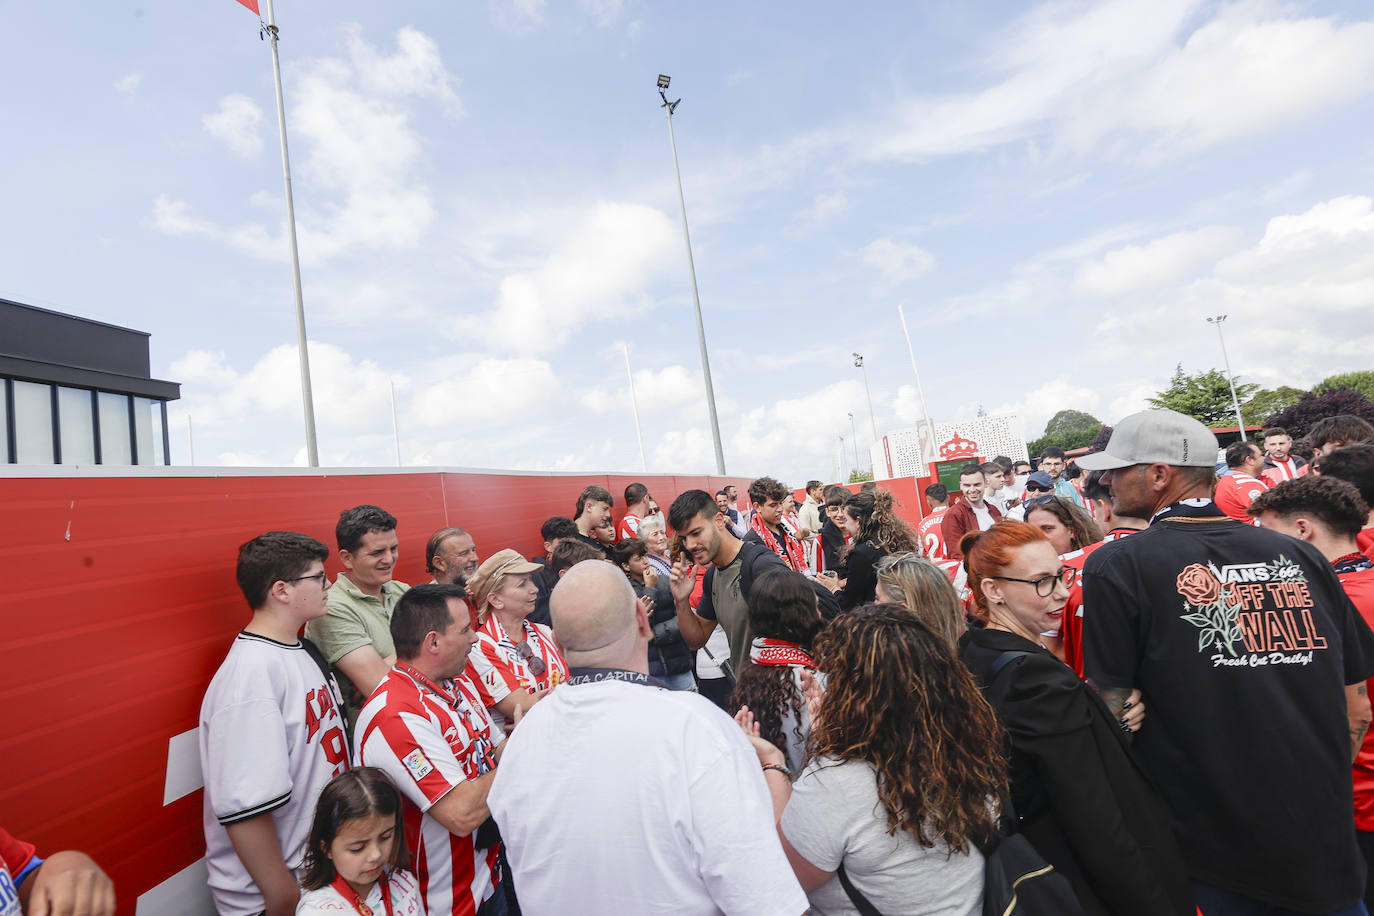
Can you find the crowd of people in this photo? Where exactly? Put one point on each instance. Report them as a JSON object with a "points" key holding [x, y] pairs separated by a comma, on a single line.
{"points": [[1155, 675]]}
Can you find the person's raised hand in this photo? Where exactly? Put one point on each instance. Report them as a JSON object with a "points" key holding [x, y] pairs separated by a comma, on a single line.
{"points": [[768, 751], [682, 579], [69, 883], [650, 576]]}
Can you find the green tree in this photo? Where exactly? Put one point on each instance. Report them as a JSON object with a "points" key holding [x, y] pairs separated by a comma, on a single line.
{"points": [[1363, 382], [1266, 402], [1205, 396], [857, 476], [1068, 429]]}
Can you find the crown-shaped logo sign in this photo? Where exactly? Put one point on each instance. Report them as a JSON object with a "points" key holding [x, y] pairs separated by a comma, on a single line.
{"points": [[959, 447]]}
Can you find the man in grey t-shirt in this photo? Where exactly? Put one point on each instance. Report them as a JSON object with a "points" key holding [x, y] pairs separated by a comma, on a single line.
{"points": [[707, 538]]}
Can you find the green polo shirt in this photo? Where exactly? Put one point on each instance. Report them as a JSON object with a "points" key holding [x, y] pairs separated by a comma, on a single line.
{"points": [[354, 620]]}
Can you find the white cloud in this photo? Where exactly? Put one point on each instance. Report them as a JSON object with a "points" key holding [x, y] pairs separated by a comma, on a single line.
{"points": [[608, 255], [236, 123], [1310, 272], [1157, 263], [480, 392], [1139, 78], [531, 11], [355, 144], [823, 208], [655, 389], [604, 12], [896, 261], [174, 217], [416, 69], [128, 83]]}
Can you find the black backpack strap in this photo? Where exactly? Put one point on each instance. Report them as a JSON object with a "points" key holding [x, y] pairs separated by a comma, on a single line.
{"points": [[1001, 661], [861, 903]]}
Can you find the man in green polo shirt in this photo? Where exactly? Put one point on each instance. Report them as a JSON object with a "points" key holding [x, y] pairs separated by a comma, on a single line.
{"points": [[355, 633]]}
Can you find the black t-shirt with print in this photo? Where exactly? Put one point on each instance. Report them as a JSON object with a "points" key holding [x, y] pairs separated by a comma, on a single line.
{"points": [[1242, 641]]}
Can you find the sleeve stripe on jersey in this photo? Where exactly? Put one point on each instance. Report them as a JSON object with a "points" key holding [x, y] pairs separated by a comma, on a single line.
{"points": [[255, 811]]}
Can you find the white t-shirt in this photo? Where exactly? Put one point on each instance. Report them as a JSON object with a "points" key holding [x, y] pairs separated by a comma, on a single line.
{"points": [[834, 817], [984, 516], [616, 797], [271, 737], [405, 899]]}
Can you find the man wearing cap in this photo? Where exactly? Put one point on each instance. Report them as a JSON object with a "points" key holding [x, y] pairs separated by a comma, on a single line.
{"points": [[515, 660], [1038, 484], [617, 796], [1253, 663]]}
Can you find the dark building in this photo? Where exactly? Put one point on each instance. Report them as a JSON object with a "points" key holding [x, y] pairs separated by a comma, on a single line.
{"points": [[78, 391]]}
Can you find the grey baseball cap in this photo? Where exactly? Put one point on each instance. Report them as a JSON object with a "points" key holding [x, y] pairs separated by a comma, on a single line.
{"points": [[1155, 437]]}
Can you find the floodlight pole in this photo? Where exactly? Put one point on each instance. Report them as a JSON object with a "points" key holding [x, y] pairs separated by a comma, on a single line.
{"points": [[855, 434], [312, 452], [670, 107], [1231, 379], [859, 361], [920, 389], [634, 405]]}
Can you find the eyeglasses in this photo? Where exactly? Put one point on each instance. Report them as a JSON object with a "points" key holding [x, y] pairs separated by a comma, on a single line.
{"points": [[1031, 489], [321, 577], [1044, 585], [532, 661]]}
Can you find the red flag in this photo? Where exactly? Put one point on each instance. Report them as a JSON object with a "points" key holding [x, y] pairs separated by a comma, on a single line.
{"points": [[251, 4]]}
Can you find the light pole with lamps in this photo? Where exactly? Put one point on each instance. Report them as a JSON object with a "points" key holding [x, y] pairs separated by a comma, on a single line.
{"points": [[859, 363], [1231, 379], [670, 107], [855, 433]]}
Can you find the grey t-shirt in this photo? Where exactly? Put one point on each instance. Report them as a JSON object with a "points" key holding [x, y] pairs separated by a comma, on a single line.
{"points": [[732, 611], [834, 817]]}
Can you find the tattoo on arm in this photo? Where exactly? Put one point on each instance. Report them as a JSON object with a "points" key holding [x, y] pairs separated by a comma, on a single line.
{"points": [[1115, 698]]}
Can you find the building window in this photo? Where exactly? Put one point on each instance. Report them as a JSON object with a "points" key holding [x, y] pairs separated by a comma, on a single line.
{"points": [[148, 431], [33, 423], [5, 421], [115, 444], [76, 423]]}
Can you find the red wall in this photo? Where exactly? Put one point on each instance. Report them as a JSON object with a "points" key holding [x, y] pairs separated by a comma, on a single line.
{"points": [[121, 603]]}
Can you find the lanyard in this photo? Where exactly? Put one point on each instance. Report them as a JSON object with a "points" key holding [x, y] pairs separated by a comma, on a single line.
{"points": [[351, 897], [596, 675], [425, 681]]}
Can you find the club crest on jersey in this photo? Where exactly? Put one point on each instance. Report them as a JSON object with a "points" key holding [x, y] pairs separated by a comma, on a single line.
{"points": [[417, 764]]}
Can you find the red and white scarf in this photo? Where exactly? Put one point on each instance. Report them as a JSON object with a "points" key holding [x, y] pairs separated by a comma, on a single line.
{"points": [[791, 551], [779, 653]]}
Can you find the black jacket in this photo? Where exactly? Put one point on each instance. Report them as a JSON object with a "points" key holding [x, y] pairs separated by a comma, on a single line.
{"points": [[860, 576], [832, 542], [668, 652], [1080, 797]]}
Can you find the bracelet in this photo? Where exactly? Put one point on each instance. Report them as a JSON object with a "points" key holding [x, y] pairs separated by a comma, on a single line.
{"points": [[779, 767]]}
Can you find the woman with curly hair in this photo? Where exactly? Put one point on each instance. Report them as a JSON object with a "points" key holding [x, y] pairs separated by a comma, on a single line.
{"points": [[924, 589], [904, 770], [874, 531], [1080, 797], [785, 620]]}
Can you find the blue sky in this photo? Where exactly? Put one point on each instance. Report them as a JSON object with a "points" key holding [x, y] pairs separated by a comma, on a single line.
{"points": [[1057, 194]]}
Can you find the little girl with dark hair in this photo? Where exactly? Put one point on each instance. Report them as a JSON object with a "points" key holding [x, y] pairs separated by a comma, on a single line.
{"points": [[357, 857]]}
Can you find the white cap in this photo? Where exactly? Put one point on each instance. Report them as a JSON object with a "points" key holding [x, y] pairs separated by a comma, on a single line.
{"points": [[1155, 437]]}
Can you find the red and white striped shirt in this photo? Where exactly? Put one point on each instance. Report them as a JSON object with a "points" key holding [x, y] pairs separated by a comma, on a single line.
{"points": [[932, 538], [496, 668], [1071, 622], [428, 744], [1235, 491], [628, 528]]}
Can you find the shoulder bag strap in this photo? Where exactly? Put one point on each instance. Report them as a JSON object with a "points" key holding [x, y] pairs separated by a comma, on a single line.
{"points": [[861, 903]]}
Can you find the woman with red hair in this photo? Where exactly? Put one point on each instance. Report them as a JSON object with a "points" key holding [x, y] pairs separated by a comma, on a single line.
{"points": [[1080, 797]]}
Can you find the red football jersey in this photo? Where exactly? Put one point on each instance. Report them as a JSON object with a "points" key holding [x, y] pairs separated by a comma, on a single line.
{"points": [[1360, 587], [1071, 624], [932, 539]]}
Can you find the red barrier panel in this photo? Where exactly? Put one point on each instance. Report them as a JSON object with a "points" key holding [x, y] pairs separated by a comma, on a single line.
{"points": [[122, 604]]}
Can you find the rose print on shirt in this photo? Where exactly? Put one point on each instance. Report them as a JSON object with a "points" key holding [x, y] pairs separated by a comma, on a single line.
{"points": [[1209, 607]]}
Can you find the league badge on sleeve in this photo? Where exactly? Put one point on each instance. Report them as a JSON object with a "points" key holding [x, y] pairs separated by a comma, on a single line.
{"points": [[417, 764]]}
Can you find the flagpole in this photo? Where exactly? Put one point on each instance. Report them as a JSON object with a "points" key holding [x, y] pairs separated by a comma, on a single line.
{"points": [[920, 389], [307, 398], [634, 404]]}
